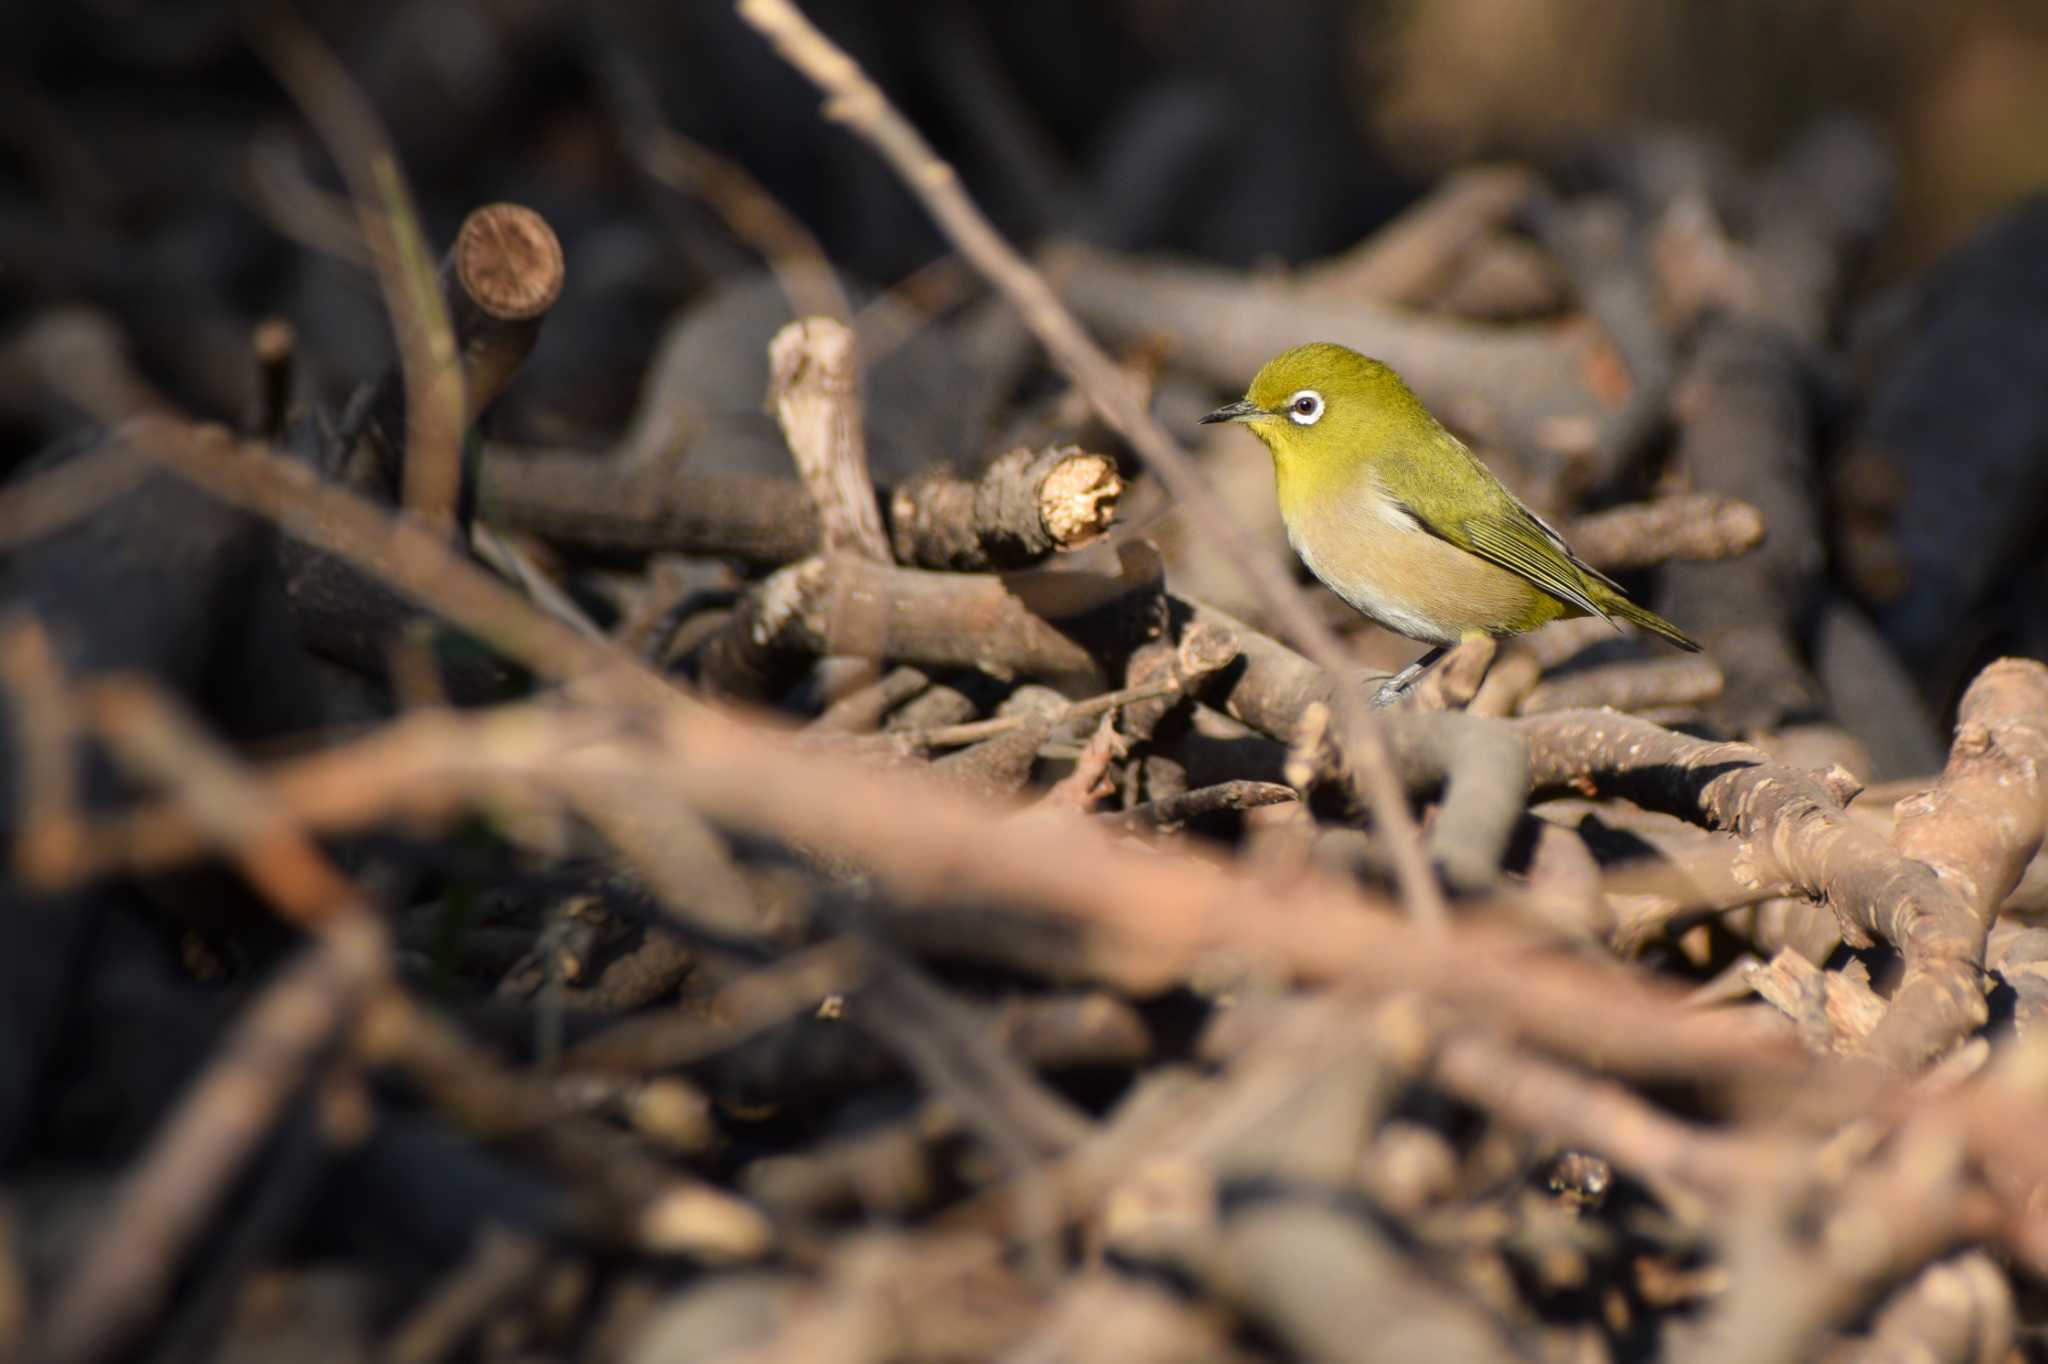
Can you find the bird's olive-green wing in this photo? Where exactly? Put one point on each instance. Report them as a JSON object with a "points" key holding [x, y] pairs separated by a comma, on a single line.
{"points": [[1518, 541], [1456, 498]]}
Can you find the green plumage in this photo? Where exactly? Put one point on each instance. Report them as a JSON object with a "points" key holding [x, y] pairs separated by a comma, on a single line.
{"points": [[1397, 516]]}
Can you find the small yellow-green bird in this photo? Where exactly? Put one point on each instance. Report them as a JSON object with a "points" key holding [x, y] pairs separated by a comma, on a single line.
{"points": [[1399, 519]]}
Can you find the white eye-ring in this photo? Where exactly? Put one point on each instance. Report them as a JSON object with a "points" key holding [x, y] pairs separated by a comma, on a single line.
{"points": [[1305, 408]]}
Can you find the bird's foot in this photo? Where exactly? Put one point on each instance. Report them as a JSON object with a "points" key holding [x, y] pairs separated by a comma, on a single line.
{"points": [[1397, 686]]}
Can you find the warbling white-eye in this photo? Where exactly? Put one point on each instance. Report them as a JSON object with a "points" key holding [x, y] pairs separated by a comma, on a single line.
{"points": [[1399, 519]]}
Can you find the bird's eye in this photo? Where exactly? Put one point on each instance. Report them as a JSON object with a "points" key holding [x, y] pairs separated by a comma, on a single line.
{"points": [[1305, 408]]}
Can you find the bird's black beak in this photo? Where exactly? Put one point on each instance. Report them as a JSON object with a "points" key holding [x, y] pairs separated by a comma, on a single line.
{"points": [[1238, 411]]}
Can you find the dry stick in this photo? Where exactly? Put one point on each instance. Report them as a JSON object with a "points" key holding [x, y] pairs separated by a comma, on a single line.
{"points": [[504, 273], [48, 834], [1556, 1101], [1026, 505], [1170, 812], [925, 619], [751, 1005], [79, 357], [861, 712], [230, 804], [755, 216], [856, 101], [1689, 526], [1638, 684], [435, 407], [947, 736], [71, 491], [1410, 258], [814, 382], [501, 1267], [286, 199], [274, 344]]}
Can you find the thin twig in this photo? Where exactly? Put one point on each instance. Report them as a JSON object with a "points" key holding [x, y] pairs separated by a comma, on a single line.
{"points": [[398, 248]]}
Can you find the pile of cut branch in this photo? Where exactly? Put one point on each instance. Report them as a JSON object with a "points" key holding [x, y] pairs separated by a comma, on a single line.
{"points": [[471, 901]]}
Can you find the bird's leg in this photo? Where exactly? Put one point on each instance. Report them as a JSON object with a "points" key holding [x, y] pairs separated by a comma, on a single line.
{"points": [[1391, 689]]}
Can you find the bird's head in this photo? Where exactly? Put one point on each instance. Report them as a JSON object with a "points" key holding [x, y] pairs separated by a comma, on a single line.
{"points": [[1324, 409]]}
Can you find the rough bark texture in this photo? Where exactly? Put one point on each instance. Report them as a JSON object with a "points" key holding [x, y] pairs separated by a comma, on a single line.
{"points": [[1929, 892], [1024, 507]]}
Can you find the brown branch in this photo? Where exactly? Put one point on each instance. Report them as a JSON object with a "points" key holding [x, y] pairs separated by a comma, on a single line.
{"points": [[1026, 505], [1691, 526], [1034, 625], [1744, 433], [755, 216], [497, 283], [226, 802], [274, 345], [1171, 812], [75, 358], [503, 274], [746, 1008], [1636, 685], [1746, 419], [1164, 689], [609, 504], [999, 767], [1412, 257], [1558, 1102], [861, 711], [45, 724], [47, 501], [1023, 507], [814, 383]]}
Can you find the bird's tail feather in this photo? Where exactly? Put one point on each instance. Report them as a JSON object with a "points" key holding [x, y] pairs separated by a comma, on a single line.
{"points": [[1649, 620]]}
